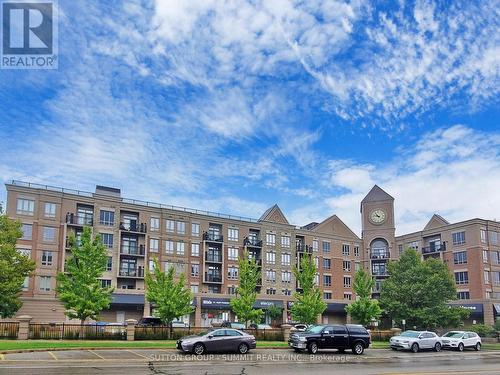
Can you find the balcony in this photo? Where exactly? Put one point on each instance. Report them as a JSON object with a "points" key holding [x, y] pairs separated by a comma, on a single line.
{"points": [[132, 272], [134, 228], [213, 237], [132, 250], [302, 248], [380, 273], [433, 248], [380, 255], [79, 219], [213, 278], [212, 258], [252, 242]]}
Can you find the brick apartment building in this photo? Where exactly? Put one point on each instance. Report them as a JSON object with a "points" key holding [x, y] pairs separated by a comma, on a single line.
{"points": [[206, 246]]}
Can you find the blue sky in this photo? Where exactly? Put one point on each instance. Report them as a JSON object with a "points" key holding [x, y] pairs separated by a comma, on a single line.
{"points": [[233, 106]]}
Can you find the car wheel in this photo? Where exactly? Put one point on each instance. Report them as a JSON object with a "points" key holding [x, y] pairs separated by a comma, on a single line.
{"points": [[358, 348], [312, 348], [199, 348], [477, 347], [460, 347], [243, 348], [414, 348], [437, 347]]}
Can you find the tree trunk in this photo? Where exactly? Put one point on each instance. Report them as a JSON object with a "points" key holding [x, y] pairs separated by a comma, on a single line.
{"points": [[82, 329], [170, 330]]}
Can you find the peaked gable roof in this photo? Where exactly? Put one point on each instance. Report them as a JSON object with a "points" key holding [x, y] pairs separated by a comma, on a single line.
{"points": [[275, 215], [436, 221], [333, 225], [377, 194]]}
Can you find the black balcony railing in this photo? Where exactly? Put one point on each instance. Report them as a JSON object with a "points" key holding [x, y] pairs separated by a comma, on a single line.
{"points": [[380, 273], [132, 272], [216, 258], [214, 237], [132, 250], [79, 219], [213, 278], [302, 248], [380, 255], [433, 248], [134, 227], [252, 241]]}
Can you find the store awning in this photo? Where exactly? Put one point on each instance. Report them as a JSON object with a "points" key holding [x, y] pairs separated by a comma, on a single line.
{"points": [[335, 308], [127, 299], [496, 309], [264, 304], [215, 303], [474, 308]]}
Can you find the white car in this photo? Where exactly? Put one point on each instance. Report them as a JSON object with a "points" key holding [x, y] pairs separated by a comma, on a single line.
{"points": [[460, 340], [415, 341]]}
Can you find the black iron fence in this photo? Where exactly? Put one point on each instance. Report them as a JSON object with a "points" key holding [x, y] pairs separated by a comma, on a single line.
{"points": [[9, 330], [66, 331], [162, 333]]}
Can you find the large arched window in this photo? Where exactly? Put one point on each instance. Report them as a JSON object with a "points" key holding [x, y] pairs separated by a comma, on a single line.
{"points": [[379, 249]]}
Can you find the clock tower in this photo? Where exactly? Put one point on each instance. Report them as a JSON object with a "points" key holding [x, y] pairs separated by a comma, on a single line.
{"points": [[378, 233]]}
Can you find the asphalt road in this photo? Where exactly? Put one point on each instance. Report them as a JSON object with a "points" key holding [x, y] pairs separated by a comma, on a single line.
{"points": [[261, 362]]}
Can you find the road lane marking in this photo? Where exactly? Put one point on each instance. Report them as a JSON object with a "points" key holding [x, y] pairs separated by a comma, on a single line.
{"points": [[138, 354], [100, 356], [53, 356], [465, 372]]}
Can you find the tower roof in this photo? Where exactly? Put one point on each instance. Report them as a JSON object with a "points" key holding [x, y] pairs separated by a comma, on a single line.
{"points": [[377, 194]]}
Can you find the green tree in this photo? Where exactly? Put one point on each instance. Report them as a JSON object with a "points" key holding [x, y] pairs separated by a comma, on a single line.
{"points": [[79, 287], [364, 309], [171, 298], [246, 292], [418, 291], [308, 303], [14, 267], [274, 313]]}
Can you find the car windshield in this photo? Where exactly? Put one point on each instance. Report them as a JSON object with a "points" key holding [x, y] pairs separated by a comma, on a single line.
{"points": [[315, 329], [455, 335], [410, 334]]}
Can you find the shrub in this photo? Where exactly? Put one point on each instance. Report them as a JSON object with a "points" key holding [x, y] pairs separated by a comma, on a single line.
{"points": [[483, 330]]}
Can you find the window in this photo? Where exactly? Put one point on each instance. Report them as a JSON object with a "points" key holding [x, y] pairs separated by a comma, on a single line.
{"points": [[357, 266], [270, 239], [495, 257], [286, 292], [271, 291], [27, 230], [154, 224], [107, 240], [286, 259], [270, 257], [379, 269], [356, 251], [153, 245], [460, 257], [485, 255], [326, 247], [462, 277], [463, 295], [327, 264], [488, 294], [181, 227], [231, 289], [347, 282], [327, 280], [348, 296], [232, 273], [346, 265], [232, 253], [414, 245], [494, 238], [316, 279], [285, 241], [106, 283], [26, 283], [458, 238], [195, 249], [215, 289], [107, 218], [169, 247], [25, 206], [315, 245], [45, 282], [25, 252], [286, 277], [345, 249], [400, 249], [109, 265], [170, 226], [496, 278], [195, 270], [316, 262], [327, 295], [232, 234], [195, 229], [486, 277], [49, 210], [180, 248], [483, 235], [49, 234], [194, 288], [271, 275], [47, 258]]}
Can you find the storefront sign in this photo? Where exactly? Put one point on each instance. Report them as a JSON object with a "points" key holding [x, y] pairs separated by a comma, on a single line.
{"points": [[215, 303], [264, 304]]}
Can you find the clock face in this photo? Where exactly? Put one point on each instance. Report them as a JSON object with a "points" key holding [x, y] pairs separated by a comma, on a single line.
{"points": [[378, 216]]}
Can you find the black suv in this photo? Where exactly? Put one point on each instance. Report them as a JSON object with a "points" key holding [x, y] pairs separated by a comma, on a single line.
{"points": [[331, 336]]}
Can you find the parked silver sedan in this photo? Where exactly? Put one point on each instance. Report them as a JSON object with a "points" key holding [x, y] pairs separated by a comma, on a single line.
{"points": [[219, 340], [416, 341]]}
